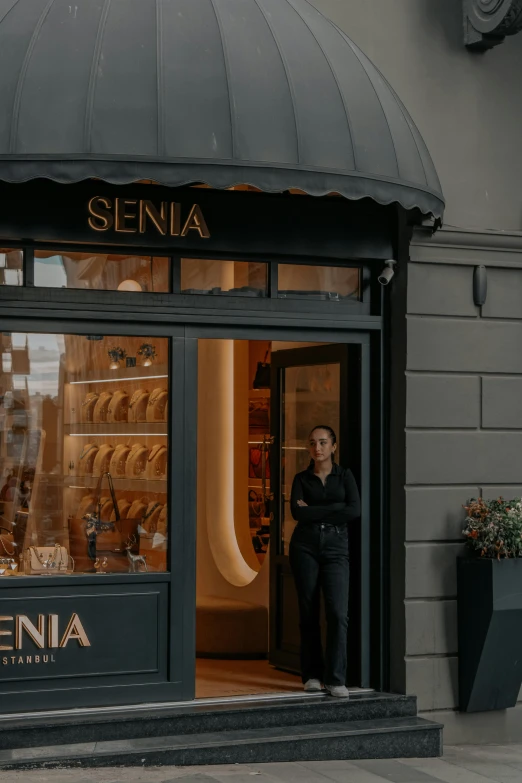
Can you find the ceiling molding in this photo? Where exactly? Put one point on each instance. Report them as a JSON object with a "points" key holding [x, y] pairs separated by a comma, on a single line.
{"points": [[488, 22]]}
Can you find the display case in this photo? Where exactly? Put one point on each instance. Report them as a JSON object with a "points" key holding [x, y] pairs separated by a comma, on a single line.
{"points": [[83, 454]]}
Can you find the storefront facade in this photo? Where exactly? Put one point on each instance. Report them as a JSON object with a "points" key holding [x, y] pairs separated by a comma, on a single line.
{"points": [[271, 217], [125, 637]]}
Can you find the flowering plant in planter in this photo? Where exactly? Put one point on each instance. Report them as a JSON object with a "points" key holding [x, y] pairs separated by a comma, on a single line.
{"points": [[494, 527]]}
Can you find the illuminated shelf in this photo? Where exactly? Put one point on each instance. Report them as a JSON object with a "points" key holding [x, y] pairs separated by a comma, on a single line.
{"points": [[90, 482], [116, 429], [157, 373]]}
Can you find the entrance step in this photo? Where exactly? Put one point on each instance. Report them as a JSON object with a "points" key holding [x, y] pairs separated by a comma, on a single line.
{"points": [[67, 727], [380, 738], [306, 727]]}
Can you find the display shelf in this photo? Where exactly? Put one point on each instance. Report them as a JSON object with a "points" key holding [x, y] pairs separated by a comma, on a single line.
{"points": [[123, 374], [256, 394], [90, 482], [116, 429]]}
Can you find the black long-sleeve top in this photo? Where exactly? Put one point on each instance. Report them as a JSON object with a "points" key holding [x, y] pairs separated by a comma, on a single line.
{"points": [[336, 501]]}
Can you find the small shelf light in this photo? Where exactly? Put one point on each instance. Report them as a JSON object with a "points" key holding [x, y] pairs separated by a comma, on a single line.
{"points": [[116, 355], [147, 354]]}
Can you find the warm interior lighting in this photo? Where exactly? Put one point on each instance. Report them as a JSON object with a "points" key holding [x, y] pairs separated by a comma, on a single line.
{"points": [[112, 434], [119, 380]]}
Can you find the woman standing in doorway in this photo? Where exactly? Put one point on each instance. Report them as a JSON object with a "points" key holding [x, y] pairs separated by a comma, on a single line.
{"points": [[324, 500]]}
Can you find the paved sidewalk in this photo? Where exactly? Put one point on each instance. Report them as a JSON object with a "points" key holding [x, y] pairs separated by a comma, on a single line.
{"points": [[468, 764]]}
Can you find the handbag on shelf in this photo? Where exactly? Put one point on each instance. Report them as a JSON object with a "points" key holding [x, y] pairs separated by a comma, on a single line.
{"points": [[136, 463], [47, 560], [255, 506], [102, 460], [88, 405], [119, 460], [7, 543], [156, 405], [138, 405], [118, 407], [157, 462], [102, 534], [86, 459], [262, 376], [101, 408]]}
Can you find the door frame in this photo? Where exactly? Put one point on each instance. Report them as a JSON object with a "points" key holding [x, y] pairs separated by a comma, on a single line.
{"points": [[351, 428], [179, 628], [372, 588]]}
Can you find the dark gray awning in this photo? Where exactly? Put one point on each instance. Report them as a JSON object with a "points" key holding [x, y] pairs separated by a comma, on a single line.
{"points": [[263, 92]]}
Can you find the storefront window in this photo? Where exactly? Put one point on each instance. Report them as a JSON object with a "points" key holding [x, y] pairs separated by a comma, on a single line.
{"points": [[11, 267], [83, 454], [328, 283], [101, 272], [236, 278]]}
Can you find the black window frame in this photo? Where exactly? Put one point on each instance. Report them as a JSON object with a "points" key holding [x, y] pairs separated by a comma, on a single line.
{"points": [[368, 302]]}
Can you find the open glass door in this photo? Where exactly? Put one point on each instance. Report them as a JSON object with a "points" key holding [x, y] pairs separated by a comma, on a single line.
{"points": [[309, 386]]}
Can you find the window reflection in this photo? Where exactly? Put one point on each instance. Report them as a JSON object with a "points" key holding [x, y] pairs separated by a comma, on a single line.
{"points": [[83, 454], [328, 283], [102, 272], [210, 276], [11, 267]]}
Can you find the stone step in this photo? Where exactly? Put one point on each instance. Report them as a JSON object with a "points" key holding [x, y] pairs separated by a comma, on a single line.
{"points": [[142, 721], [408, 737]]}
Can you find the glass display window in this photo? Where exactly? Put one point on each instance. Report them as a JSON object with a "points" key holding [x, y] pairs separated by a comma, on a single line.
{"points": [[101, 271], [11, 267], [83, 454], [326, 283], [232, 278]]}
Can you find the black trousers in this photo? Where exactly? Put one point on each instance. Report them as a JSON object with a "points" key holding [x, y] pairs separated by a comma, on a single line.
{"points": [[319, 561]]}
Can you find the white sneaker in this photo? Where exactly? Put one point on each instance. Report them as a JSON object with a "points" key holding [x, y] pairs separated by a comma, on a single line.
{"points": [[340, 691], [312, 686]]}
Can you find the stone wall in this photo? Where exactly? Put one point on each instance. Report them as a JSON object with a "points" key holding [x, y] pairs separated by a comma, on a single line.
{"points": [[463, 439]]}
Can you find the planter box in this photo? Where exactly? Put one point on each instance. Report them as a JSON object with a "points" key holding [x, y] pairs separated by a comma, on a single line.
{"points": [[490, 633]]}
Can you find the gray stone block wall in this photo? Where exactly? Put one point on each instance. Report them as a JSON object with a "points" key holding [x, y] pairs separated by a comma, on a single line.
{"points": [[463, 432]]}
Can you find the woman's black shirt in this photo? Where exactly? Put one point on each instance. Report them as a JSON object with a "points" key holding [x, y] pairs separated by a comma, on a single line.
{"points": [[336, 502]]}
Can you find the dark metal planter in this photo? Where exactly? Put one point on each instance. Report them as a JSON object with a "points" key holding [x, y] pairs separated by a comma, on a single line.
{"points": [[490, 633]]}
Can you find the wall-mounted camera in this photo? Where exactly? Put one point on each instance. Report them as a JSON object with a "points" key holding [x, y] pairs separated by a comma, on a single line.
{"points": [[387, 273]]}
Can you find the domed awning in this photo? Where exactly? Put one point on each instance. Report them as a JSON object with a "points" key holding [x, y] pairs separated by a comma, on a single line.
{"points": [[263, 92]]}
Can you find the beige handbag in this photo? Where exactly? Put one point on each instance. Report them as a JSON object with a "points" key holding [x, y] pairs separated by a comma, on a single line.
{"points": [[123, 507], [157, 462], [136, 464], [103, 459], [156, 407], [151, 517], [118, 407], [101, 408], [88, 405], [86, 460], [138, 405], [118, 460], [46, 560]]}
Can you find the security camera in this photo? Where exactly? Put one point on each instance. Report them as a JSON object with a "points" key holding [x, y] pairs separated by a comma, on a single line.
{"points": [[387, 273]]}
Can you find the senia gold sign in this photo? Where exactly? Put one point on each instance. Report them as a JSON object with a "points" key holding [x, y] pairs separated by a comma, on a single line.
{"points": [[137, 216], [46, 634]]}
